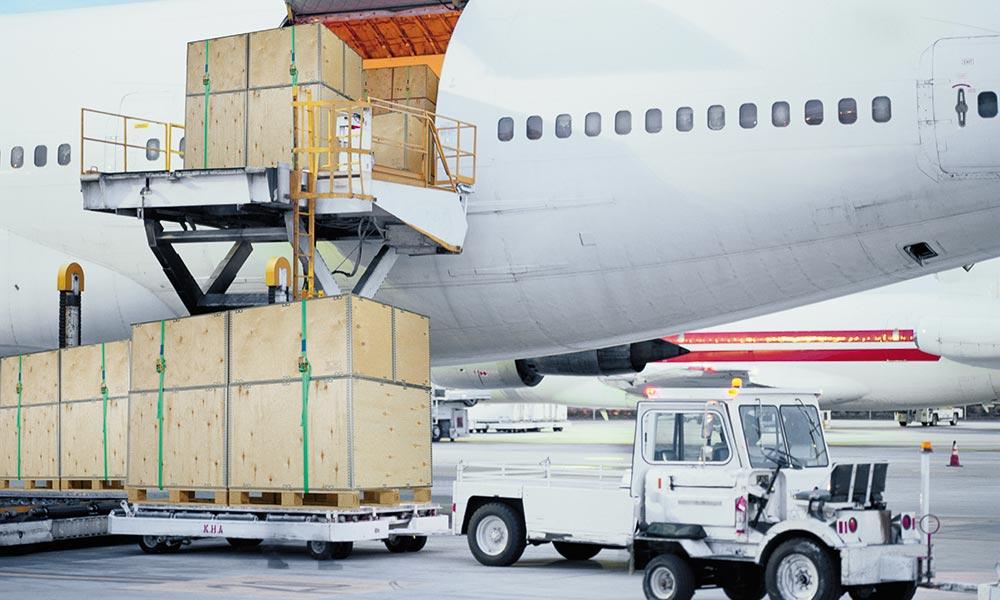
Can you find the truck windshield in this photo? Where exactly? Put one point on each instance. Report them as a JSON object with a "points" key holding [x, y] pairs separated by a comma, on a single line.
{"points": [[796, 432]]}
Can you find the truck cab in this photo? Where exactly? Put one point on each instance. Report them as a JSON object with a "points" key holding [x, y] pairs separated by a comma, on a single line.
{"points": [[732, 488]]}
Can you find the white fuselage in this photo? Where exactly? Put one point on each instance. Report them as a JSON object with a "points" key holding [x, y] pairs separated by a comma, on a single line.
{"points": [[584, 241]]}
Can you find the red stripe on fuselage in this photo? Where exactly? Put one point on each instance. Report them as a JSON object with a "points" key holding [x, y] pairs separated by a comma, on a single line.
{"points": [[812, 355], [855, 336]]}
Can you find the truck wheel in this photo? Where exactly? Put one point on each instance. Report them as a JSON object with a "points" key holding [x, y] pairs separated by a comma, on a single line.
{"points": [[899, 590], [668, 577], [417, 543], [172, 546], [749, 585], [934, 420], [800, 569], [497, 535], [151, 544], [320, 550], [243, 542], [903, 423], [397, 544], [573, 551]]}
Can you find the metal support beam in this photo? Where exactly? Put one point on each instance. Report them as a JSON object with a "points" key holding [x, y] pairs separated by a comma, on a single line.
{"points": [[376, 272], [227, 270], [324, 275], [174, 268], [257, 235]]}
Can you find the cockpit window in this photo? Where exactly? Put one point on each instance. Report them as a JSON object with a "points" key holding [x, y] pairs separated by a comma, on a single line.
{"points": [[679, 437]]}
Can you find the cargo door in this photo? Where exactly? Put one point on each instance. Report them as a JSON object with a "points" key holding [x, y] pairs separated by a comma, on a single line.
{"points": [[966, 81]]}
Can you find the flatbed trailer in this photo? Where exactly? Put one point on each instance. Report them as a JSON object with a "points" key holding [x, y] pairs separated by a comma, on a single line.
{"points": [[327, 532], [30, 517]]}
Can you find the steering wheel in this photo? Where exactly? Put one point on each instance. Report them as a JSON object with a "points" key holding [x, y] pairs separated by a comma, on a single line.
{"points": [[781, 457]]}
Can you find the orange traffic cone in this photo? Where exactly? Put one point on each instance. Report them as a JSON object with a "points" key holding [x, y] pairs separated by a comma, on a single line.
{"points": [[954, 456]]}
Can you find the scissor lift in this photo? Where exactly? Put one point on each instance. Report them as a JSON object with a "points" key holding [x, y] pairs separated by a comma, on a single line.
{"points": [[332, 189]]}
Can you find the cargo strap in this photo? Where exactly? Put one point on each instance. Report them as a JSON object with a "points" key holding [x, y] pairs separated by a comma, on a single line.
{"points": [[207, 82], [104, 421], [20, 389], [292, 69], [161, 369], [306, 370]]}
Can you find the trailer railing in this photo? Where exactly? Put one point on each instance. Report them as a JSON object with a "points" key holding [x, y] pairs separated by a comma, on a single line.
{"points": [[547, 473]]}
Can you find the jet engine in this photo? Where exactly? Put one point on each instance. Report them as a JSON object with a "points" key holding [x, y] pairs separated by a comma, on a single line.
{"points": [[970, 341]]}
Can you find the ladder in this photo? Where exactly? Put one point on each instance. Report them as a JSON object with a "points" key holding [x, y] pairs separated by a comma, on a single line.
{"points": [[303, 204]]}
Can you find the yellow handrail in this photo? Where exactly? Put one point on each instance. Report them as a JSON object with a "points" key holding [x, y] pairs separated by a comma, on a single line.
{"points": [[168, 137]]}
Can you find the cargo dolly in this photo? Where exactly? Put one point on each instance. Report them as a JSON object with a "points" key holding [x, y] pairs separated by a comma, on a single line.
{"points": [[327, 532], [40, 518]]}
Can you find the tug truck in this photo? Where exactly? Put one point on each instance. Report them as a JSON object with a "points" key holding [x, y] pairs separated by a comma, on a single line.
{"points": [[728, 488]]}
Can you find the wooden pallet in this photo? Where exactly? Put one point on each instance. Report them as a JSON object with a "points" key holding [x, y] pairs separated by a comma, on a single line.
{"points": [[91, 484], [30, 484], [178, 496], [346, 499]]}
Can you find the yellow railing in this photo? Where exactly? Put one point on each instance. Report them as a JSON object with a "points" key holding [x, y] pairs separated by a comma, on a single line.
{"points": [[115, 134]]}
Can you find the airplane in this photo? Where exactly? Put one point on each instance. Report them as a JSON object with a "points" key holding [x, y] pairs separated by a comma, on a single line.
{"points": [[923, 343], [645, 167]]}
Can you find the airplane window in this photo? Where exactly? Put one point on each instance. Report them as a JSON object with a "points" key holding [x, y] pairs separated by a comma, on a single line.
{"points": [[17, 157], [881, 109], [152, 149], [623, 122], [716, 117], [41, 156], [564, 126], [781, 114], [847, 110], [987, 105], [63, 155], [814, 112], [592, 126], [654, 120], [685, 118], [748, 116], [505, 129], [534, 127]]}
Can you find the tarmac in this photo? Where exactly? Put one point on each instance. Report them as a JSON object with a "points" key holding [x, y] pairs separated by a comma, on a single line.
{"points": [[966, 549]]}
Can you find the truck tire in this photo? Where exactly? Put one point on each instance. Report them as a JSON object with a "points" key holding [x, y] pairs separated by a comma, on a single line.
{"points": [[668, 577], [574, 551], [900, 590], [150, 544], [800, 569], [320, 550], [497, 535], [934, 420], [903, 423], [243, 542], [749, 585], [397, 544], [417, 543]]}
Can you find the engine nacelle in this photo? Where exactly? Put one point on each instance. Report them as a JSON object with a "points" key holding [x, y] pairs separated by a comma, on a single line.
{"points": [[498, 375], [616, 360], [969, 341]]}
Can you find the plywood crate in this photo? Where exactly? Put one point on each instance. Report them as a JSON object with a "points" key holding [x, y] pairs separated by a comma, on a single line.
{"points": [[227, 131], [194, 352], [416, 83], [269, 122], [320, 57], [82, 412], [194, 428], [363, 435], [227, 64], [39, 442], [399, 141], [39, 378], [411, 348]]}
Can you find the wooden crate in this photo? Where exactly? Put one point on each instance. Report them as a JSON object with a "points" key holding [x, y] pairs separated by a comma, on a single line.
{"points": [[402, 83], [363, 435], [227, 64], [269, 130], [227, 130], [39, 379], [194, 437], [80, 370], [320, 57], [82, 439], [399, 141], [39, 442], [411, 345], [345, 335], [194, 352]]}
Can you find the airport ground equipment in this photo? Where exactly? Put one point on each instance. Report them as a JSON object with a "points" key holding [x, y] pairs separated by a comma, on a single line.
{"points": [[70, 285], [29, 517], [729, 488], [931, 417], [517, 417], [327, 533], [449, 419]]}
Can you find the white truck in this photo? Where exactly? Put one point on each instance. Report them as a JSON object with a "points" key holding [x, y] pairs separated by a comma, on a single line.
{"points": [[931, 417], [727, 488]]}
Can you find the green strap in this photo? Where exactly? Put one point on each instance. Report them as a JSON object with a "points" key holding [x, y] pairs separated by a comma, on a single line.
{"points": [[20, 388], [292, 69], [306, 370], [104, 419], [161, 368], [208, 89]]}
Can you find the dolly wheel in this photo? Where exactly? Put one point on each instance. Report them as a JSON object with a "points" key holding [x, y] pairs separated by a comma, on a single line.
{"points": [[575, 551], [417, 543], [244, 542], [397, 544], [320, 550], [151, 544]]}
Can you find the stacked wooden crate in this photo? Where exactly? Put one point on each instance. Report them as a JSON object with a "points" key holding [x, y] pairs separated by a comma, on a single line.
{"points": [[399, 140], [189, 408], [363, 431], [249, 90], [29, 419], [93, 416]]}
